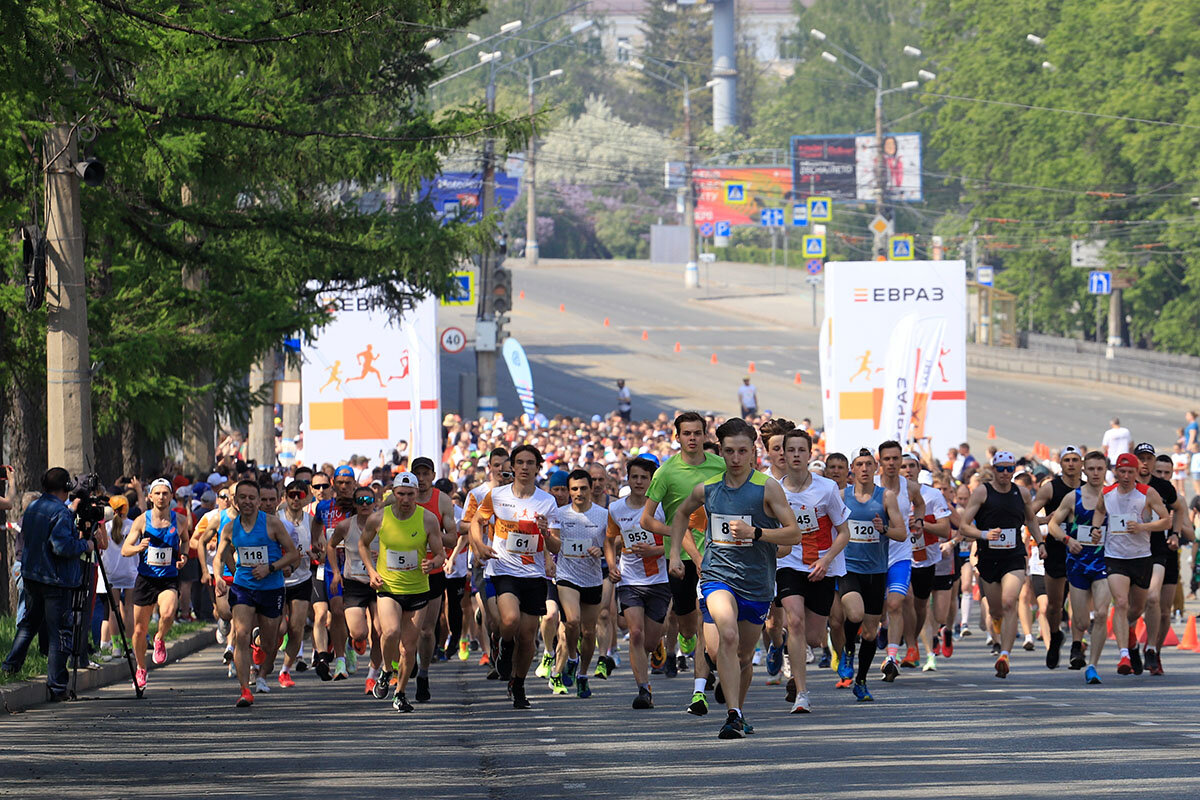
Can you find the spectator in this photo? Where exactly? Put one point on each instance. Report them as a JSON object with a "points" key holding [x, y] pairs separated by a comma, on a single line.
{"points": [[748, 397], [1191, 431], [1116, 440], [624, 401]]}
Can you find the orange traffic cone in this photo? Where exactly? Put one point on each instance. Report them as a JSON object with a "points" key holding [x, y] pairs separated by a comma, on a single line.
{"points": [[678, 347], [713, 360], [521, 296], [751, 367], [562, 306], [1111, 611], [1170, 640], [798, 380], [1037, 449], [1140, 631], [606, 322], [991, 432], [645, 335], [1189, 641]]}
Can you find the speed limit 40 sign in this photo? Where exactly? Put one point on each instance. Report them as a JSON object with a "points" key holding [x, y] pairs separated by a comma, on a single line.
{"points": [[454, 340]]}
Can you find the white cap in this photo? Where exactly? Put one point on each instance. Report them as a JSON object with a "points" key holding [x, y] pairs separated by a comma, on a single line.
{"points": [[183, 491], [1004, 457], [216, 479], [1069, 450], [404, 479], [159, 482]]}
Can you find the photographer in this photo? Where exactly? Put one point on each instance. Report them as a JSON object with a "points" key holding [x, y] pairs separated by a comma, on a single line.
{"points": [[52, 570]]}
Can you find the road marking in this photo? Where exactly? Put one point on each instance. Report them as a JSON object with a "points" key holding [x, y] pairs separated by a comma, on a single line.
{"points": [[1061, 705], [1144, 723], [968, 685], [557, 753], [1192, 735], [702, 328], [547, 740], [547, 728], [1102, 713], [1025, 697], [574, 785]]}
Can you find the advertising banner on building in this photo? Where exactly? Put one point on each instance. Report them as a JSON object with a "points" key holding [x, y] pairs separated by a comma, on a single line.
{"points": [[738, 195], [843, 167], [893, 354], [456, 194], [369, 381]]}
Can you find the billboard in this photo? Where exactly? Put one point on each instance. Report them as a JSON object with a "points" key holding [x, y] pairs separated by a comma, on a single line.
{"points": [[738, 195], [843, 167], [369, 381], [457, 193], [893, 354]]}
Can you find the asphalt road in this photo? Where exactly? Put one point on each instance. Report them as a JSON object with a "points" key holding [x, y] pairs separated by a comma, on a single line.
{"points": [[959, 732], [745, 314]]}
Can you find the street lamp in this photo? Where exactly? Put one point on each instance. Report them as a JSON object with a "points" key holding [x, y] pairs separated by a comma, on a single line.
{"points": [[531, 243], [925, 75]]}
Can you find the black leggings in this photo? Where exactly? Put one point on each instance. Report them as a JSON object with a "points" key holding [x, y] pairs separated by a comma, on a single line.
{"points": [[456, 588]]}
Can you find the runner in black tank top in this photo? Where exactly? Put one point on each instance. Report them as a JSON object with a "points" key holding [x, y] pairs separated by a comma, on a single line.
{"points": [[1049, 498]]}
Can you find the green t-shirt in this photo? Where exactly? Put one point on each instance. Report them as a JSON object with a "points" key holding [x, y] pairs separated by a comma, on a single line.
{"points": [[675, 480]]}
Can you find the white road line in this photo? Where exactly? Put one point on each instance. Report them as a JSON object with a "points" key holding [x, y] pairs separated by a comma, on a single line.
{"points": [[548, 740], [1025, 697], [968, 685], [547, 728], [1144, 723], [1061, 705], [574, 785], [557, 753], [1102, 713], [1192, 735]]}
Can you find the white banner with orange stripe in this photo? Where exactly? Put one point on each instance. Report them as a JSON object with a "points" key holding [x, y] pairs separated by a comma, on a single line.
{"points": [[893, 354], [370, 381]]}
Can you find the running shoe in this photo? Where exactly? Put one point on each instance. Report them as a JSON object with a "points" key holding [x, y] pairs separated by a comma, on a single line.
{"points": [[757, 659], [556, 685], [881, 640], [732, 729], [602, 670], [230, 671], [464, 649], [339, 670], [911, 658], [369, 686], [582, 689], [321, 667], [484, 660], [1077, 659], [504, 661], [380, 690], [352, 661], [222, 631], [845, 668], [802, 705], [809, 655], [699, 705], [965, 631], [687, 646], [423, 695], [160, 651], [826, 659], [747, 728], [995, 648], [1158, 667], [930, 663], [643, 699], [775, 680], [1135, 659], [1124, 666], [245, 700], [1028, 645], [360, 646], [681, 664], [947, 642], [571, 673], [774, 660], [670, 667], [1091, 676], [861, 693], [257, 656], [1054, 653], [835, 661], [1150, 658], [400, 703], [493, 673], [544, 666], [790, 692], [520, 701], [261, 686], [301, 664], [844, 683], [227, 656], [139, 678], [659, 657], [889, 670], [1002, 667], [719, 693], [285, 680]]}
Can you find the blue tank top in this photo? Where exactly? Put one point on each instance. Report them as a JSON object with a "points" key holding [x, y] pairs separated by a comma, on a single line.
{"points": [[158, 560], [1091, 557], [748, 569], [867, 552], [254, 547], [223, 519]]}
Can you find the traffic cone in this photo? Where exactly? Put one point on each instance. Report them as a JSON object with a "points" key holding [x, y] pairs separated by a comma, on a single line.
{"points": [[798, 380], [1170, 640], [1111, 611], [991, 432], [521, 296], [750, 369], [562, 306], [645, 335], [1189, 641], [678, 347], [606, 322], [1140, 631], [713, 360], [1037, 449]]}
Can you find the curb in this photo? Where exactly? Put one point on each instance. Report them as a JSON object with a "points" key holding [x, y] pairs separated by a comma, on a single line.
{"points": [[17, 697]]}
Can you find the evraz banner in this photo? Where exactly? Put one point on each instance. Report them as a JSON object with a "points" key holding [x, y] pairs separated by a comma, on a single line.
{"points": [[829, 406], [912, 356], [518, 368]]}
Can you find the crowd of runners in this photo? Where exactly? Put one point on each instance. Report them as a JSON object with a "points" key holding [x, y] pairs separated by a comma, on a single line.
{"points": [[709, 545]]}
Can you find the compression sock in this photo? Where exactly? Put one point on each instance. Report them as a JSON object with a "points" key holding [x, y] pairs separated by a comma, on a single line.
{"points": [[866, 654], [851, 629]]}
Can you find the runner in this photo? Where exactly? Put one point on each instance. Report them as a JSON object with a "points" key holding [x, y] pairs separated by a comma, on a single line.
{"points": [[499, 471], [772, 433], [926, 542], [912, 511], [329, 610], [440, 505], [640, 571], [1048, 500], [994, 514], [259, 546], [945, 577], [554, 648], [297, 587], [409, 549], [1083, 515], [745, 509], [874, 510], [204, 542], [1128, 553], [525, 529], [806, 576], [606, 624], [671, 484], [837, 469], [156, 538], [350, 578], [579, 581]]}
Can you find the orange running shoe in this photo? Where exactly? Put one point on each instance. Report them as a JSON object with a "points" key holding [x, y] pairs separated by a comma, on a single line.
{"points": [[1002, 667], [285, 680], [844, 683], [1124, 666], [360, 646], [911, 658], [246, 700], [370, 685], [257, 655], [484, 660]]}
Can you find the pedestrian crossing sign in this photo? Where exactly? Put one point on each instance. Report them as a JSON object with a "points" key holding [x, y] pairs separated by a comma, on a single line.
{"points": [[462, 289], [814, 246], [900, 248], [735, 193], [820, 209]]}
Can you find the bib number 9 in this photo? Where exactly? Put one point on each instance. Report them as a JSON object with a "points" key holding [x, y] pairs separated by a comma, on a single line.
{"points": [[1007, 540]]}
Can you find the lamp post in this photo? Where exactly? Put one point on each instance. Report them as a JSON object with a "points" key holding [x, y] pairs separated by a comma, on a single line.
{"points": [[531, 244]]}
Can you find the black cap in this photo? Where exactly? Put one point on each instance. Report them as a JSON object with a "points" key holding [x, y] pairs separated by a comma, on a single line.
{"points": [[417, 463], [1143, 449]]}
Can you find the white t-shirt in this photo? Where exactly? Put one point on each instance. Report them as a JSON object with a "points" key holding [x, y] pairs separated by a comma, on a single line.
{"points": [[624, 399], [926, 548], [625, 523], [302, 538], [901, 550], [819, 508], [747, 396], [122, 570], [1117, 440], [581, 531], [516, 538], [459, 568]]}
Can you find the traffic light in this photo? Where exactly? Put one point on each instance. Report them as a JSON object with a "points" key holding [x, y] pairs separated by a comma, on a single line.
{"points": [[501, 286]]}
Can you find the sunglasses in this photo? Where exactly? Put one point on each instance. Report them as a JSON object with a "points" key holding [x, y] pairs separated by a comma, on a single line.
{"points": [[298, 495], [1005, 468], [320, 486], [364, 500], [223, 496], [507, 475]]}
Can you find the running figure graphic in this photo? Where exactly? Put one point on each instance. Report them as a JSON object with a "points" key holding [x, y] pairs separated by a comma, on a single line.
{"points": [[864, 367], [367, 358], [335, 376], [403, 368]]}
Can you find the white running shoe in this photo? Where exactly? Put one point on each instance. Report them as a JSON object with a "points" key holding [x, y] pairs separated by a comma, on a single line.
{"points": [[261, 687], [802, 706]]}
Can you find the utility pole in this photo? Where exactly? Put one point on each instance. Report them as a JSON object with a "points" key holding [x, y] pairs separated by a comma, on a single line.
{"points": [[725, 73], [691, 271], [199, 418], [1115, 339], [485, 358], [261, 439], [880, 244], [531, 243], [68, 360]]}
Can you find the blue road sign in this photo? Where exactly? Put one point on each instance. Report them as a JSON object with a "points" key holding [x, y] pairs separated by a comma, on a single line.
{"points": [[1099, 282], [814, 247], [901, 248], [984, 276], [462, 289], [799, 215], [706, 229], [723, 228], [820, 209], [815, 266], [735, 193], [772, 217]]}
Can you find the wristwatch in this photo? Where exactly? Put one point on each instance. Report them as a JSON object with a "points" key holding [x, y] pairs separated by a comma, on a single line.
{"points": [[271, 566], [757, 533]]}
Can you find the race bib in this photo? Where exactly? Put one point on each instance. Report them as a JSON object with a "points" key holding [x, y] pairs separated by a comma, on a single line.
{"points": [[1118, 524], [522, 543], [252, 556], [321, 573], [636, 536], [354, 565], [159, 556], [863, 532], [403, 560], [576, 546], [806, 520], [1006, 541], [1084, 535], [721, 532]]}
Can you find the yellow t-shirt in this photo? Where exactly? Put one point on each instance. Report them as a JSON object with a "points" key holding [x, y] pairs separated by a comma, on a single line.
{"points": [[403, 545]]}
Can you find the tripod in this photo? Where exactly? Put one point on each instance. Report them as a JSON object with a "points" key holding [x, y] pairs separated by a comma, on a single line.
{"points": [[81, 606]]}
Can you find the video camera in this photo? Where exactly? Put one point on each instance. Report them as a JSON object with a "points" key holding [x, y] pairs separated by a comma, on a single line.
{"points": [[92, 500]]}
